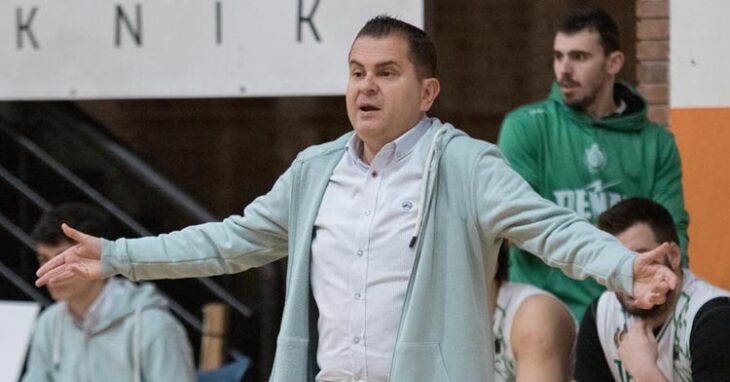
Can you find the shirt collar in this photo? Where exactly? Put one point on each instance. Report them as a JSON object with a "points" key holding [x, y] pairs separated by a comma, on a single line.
{"points": [[401, 146]]}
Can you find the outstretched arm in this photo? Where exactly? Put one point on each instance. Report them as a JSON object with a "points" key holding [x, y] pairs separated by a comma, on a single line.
{"points": [[507, 207], [543, 335], [233, 245]]}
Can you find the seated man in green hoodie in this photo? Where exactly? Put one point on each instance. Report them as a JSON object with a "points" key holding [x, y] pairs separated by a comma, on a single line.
{"points": [[102, 330], [589, 145]]}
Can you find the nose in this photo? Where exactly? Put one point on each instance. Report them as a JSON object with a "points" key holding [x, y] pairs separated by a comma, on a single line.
{"points": [[368, 84], [563, 67]]}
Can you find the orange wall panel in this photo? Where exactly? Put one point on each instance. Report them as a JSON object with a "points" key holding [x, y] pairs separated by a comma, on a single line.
{"points": [[703, 137]]}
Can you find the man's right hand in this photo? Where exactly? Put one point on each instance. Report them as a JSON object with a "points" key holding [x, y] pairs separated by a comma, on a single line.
{"points": [[83, 260]]}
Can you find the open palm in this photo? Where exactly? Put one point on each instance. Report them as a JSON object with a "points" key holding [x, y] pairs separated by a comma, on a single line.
{"points": [[82, 260]]}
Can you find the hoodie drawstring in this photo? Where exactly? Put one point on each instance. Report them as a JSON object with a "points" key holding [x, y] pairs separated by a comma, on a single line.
{"points": [[56, 356], [137, 346], [425, 178]]}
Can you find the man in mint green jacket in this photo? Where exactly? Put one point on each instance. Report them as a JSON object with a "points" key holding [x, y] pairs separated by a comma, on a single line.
{"points": [[391, 235], [589, 145]]}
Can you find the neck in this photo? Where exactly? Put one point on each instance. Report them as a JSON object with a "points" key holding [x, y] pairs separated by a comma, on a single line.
{"points": [[79, 305], [604, 104], [371, 147], [370, 150]]}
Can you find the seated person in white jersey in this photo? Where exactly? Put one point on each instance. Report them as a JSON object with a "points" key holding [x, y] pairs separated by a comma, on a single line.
{"points": [[534, 332], [684, 339]]}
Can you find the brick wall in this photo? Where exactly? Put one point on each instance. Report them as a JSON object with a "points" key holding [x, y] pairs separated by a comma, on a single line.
{"points": [[652, 51]]}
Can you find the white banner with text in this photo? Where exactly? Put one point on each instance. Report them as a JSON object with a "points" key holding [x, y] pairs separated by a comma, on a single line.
{"points": [[91, 49]]}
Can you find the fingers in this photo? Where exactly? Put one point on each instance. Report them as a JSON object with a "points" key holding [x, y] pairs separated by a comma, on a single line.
{"points": [[61, 277], [669, 277], [51, 264], [75, 235], [657, 255], [655, 295], [650, 299], [50, 274], [61, 274]]}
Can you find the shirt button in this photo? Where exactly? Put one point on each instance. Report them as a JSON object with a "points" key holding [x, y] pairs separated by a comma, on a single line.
{"points": [[367, 212], [374, 174], [357, 378], [360, 252], [357, 296], [356, 340]]}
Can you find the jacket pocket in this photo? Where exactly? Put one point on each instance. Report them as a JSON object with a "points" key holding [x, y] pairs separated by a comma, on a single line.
{"points": [[418, 362], [292, 358]]}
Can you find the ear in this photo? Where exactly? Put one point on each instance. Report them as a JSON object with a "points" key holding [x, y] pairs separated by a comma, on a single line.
{"points": [[675, 256], [430, 88], [615, 62]]}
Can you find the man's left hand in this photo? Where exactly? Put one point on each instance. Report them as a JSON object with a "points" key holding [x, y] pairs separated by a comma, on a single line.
{"points": [[638, 353]]}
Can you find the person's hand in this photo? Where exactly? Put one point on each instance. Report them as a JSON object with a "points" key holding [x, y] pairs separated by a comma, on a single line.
{"points": [[638, 353], [653, 279], [83, 260]]}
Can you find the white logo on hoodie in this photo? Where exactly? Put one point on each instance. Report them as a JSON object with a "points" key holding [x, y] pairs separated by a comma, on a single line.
{"points": [[595, 159], [590, 201]]}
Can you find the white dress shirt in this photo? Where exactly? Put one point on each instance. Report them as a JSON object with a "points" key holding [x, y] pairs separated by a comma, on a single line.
{"points": [[361, 261]]}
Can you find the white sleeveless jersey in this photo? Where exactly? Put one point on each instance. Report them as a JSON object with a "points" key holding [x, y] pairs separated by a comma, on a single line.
{"points": [[673, 339], [510, 297]]}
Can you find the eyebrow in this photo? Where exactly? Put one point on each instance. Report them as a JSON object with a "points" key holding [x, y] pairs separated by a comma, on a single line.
{"points": [[378, 65], [571, 51]]}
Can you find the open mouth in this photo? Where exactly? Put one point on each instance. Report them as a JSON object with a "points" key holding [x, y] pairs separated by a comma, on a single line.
{"points": [[568, 85], [367, 108]]}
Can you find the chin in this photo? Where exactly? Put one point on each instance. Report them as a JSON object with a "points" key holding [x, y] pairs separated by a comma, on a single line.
{"points": [[368, 129]]}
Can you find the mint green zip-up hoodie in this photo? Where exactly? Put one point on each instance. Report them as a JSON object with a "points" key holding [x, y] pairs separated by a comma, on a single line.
{"points": [[587, 166], [127, 336], [473, 200]]}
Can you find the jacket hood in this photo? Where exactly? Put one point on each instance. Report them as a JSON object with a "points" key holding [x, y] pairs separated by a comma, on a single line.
{"points": [[632, 119], [119, 299]]}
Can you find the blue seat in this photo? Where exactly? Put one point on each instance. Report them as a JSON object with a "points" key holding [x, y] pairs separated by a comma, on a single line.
{"points": [[230, 372]]}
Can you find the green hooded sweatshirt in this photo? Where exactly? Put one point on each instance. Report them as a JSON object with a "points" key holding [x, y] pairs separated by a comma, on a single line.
{"points": [[587, 166]]}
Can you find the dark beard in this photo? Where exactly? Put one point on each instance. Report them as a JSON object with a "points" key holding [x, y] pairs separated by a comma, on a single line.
{"points": [[582, 104], [655, 310]]}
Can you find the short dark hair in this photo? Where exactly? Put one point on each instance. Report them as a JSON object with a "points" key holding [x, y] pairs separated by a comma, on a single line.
{"points": [[594, 19], [83, 217], [422, 48], [631, 211], [502, 274]]}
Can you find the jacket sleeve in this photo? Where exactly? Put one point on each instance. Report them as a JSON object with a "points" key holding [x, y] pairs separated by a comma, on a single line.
{"points": [[39, 365], [234, 245], [668, 192], [507, 208], [519, 145], [167, 355]]}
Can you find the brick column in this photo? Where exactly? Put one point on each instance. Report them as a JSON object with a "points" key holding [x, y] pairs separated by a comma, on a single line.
{"points": [[652, 54]]}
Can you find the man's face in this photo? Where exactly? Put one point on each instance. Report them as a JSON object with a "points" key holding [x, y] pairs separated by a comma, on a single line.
{"points": [[581, 67], [385, 97], [640, 238], [68, 289]]}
